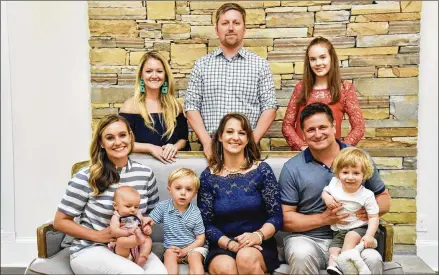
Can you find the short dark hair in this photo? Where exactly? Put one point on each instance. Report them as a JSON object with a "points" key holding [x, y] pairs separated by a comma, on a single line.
{"points": [[227, 7], [315, 108]]}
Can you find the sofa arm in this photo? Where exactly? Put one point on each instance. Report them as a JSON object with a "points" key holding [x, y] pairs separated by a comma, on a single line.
{"points": [[388, 241], [48, 240]]}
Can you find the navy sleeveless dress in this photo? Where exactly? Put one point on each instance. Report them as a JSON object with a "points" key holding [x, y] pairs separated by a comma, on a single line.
{"points": [[143, 134]]}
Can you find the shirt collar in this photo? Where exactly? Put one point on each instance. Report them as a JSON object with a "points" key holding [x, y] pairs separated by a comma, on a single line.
{"points": [[243, 52], [171, 208], [309, 157], [126, 168]]}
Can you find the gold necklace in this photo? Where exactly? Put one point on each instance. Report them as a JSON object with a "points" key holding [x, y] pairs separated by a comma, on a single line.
{"points": [[236, 171]]}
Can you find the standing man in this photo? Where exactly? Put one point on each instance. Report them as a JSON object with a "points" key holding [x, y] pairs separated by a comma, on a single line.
{"points": [[230, 79], [302, 180]]}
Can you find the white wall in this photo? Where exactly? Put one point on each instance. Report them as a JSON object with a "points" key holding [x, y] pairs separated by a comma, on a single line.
{"points": [[45, 115], [427, 196]]}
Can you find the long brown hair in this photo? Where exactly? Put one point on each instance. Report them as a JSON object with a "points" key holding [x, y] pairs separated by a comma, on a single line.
{"points": [[170, 105], [103, 172], [251, 150], [309, 78]]}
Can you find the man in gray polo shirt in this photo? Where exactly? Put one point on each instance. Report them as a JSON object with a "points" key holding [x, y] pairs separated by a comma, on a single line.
{"points": [[302, 180]]}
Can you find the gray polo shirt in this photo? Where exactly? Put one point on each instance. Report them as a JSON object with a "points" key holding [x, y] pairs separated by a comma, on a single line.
{"points": [[302, 180]]}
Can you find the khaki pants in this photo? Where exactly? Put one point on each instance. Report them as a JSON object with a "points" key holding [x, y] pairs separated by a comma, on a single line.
{"points": [[308, 255]]}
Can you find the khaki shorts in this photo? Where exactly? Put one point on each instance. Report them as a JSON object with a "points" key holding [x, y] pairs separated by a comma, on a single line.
{"points": [[338, 237], [202, 250]]}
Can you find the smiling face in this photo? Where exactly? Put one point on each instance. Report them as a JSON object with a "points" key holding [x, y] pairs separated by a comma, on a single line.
{"points": [[182, 191], [154, 74], [234, 138], [318, 132], [319, 60], [351, 178], [230, 29], [116, 140]]}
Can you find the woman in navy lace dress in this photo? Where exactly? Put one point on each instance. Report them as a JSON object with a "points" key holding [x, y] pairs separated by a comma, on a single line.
{"points": [[156, 117], [239, 202]]}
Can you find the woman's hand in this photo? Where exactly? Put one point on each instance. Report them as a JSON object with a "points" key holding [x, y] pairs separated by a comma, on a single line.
{"points": [[157, 152], [104, 236], [248, 239], [169, 151]]}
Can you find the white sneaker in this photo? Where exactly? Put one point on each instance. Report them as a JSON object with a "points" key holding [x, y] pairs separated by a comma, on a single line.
{"points": [[333, 270]]}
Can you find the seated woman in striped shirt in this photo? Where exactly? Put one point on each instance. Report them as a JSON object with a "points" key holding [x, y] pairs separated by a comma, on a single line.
{"points": [[182, 223], [89, 197]]}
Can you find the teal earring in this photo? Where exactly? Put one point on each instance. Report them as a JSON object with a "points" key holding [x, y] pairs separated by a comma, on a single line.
{"points": [[142, 85], [164, 88]]}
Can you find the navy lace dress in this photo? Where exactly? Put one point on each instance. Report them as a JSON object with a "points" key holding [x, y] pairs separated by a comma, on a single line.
{"points": [[239, 203], [143, 134]]}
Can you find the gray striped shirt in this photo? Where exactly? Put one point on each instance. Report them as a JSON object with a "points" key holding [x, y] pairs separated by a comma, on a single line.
{"points": [[95, 212], [180, 229]]}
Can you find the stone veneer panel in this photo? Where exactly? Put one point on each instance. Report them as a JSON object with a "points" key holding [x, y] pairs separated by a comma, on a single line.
{"points": [[377, 43]]}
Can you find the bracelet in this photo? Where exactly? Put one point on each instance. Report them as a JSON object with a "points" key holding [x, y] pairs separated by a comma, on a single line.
{"points": [[259, 235], [227, 246]]}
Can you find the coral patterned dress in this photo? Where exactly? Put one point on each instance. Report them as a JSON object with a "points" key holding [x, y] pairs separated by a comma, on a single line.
{"points": [[348, 104]]}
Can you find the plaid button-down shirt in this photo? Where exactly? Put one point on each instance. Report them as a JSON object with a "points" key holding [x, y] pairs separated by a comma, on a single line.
{"points": [[218, 86]]}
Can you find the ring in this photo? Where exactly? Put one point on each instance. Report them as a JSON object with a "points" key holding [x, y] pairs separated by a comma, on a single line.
{"points": [[247, 241]]}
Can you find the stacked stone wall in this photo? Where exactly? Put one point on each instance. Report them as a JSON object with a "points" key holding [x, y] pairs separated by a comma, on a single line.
{"points": [[377, 43]]}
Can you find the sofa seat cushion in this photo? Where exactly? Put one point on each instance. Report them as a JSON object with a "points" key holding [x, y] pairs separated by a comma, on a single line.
{"points": [[57, 264]]}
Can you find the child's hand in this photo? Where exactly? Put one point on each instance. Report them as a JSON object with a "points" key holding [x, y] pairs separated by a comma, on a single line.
{"points": [[331, 203], [147, 224], [132, 231], [182, 253], [147, 230], [175, 249], [369, 241]]}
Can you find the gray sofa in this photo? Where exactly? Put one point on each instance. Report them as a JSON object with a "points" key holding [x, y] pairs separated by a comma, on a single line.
{"points": [[53, 255]]}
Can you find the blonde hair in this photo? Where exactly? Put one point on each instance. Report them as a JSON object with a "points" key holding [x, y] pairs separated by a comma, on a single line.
{"points": [[103, 172], [170, 105], [350, 157], [183, 173]]}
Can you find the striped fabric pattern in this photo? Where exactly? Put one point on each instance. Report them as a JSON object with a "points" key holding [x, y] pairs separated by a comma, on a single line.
{"points": [[180, 229], [96, 212]]}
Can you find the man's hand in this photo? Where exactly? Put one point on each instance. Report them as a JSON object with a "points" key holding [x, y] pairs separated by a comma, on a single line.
{"points": [[207, 149], [362, 214], [332, 216]]}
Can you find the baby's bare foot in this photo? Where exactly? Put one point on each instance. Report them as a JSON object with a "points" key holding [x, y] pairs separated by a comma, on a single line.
{"points": [[141, 260]]}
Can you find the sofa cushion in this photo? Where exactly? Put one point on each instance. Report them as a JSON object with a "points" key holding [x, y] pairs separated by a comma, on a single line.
{"points": [[57, 264]]}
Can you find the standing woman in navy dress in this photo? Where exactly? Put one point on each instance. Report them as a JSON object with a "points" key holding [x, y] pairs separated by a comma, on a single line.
{"points": [[155, 116], [239, 202]]}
